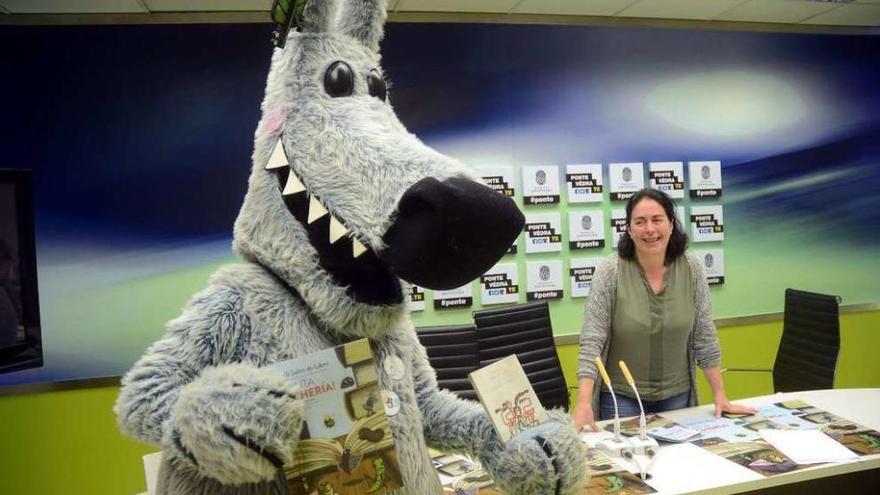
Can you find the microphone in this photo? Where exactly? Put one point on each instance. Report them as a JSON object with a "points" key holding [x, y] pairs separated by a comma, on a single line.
{"points": [[615, 447], [643, 444], [632, 384], [601, 367]]}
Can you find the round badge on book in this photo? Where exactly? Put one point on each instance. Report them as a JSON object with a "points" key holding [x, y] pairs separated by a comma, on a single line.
{"points": [[391, 401], [394, 367]]}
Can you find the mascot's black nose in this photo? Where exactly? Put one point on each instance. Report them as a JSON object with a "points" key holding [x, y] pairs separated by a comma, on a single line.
{"points": [[449, 233]]}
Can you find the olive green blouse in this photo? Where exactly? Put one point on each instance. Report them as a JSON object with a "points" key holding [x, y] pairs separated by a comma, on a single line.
{"points": [[650, 331]]}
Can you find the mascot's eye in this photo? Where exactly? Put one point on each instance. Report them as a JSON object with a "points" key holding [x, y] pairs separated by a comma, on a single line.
{"points": [[376, 85], [339, 80]]}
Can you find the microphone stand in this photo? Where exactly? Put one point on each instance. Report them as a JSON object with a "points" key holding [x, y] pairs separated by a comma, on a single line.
{"points": [[643, 444], [617, 446]]}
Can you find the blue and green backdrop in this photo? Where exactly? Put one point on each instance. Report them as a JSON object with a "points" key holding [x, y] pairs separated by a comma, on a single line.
{"points": [[139, 138]]}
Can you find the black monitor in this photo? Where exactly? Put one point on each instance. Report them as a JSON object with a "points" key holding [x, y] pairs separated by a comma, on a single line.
{"points": [[20, 338]]}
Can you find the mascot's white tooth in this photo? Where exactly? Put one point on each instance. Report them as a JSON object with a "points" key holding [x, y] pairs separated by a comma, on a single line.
{"points": [[357, 248], [337, 230], [316, 209], [278, 158], [293, 186]]}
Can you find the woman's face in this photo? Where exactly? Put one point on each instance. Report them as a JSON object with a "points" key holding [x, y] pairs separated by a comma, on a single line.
{"points": [[649, 228]]}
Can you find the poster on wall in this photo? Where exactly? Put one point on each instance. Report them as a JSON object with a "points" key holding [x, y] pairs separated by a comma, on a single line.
{"points": [[618, 225], [705, 179], [500, 284], [499, 178], [625, 179], [581, 274], [543, 232], [667, 177], [586, 229], [541, 185], [713, 264], [416, 298], [707, 223], [460, 297], [543, 280], [584, 183]]}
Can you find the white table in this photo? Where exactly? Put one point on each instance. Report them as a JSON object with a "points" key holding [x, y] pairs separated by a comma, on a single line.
{"points": [[684, 468]]}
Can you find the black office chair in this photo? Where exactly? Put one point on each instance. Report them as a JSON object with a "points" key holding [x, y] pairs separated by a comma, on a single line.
{"points": [[524, 330], [452, 352], [810, 345]]}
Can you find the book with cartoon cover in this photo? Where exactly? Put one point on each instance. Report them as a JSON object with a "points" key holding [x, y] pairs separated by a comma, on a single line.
{"points": [[506, 393], [346, 446]]}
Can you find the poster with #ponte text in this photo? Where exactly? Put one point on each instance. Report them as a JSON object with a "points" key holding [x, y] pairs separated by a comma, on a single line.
{"points": [[543, 280], [500, 284], [540, 185], [460, 297], [713, 264], [586, 229], [625, 179], [584, 183], [707, 223], [543, 232], [705, 179]]}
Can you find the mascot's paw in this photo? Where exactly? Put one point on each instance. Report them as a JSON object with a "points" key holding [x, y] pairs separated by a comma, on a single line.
{"points": [[236, 424], [550, 463]]}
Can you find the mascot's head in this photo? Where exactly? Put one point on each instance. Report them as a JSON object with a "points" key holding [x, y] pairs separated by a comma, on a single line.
{"points": [[342, 201]]}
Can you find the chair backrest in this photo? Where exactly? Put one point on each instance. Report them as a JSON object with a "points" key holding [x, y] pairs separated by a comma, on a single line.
{"points": [[452, 352], [524, 330], [808, 351]]}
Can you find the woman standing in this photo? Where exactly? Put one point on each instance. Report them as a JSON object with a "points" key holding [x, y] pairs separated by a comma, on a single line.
{"points": [[650, 306]]}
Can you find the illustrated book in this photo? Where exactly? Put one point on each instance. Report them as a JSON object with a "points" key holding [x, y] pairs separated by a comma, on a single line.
{"points": [[508, 397], [346, 446]]}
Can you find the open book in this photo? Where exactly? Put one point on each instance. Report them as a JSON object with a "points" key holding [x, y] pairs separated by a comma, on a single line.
{"points": [[346, 446], [508, 397]]}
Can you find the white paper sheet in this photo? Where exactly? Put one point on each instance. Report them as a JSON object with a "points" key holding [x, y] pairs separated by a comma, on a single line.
{"points": [[684, 467], [807, 446]]}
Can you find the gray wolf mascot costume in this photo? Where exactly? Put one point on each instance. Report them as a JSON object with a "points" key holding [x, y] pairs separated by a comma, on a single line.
{"points": [[344, 208]]}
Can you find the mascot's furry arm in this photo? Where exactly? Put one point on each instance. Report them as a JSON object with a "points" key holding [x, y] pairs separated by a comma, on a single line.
{"points": [[551, 464], [234, 422]]}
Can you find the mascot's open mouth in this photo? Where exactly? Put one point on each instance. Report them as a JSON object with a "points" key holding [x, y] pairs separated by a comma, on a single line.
{"points": [[445, 234], [351, 263]]}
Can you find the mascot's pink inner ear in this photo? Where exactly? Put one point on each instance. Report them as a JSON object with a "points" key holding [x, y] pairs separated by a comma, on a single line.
{"points": [[272, 122]]}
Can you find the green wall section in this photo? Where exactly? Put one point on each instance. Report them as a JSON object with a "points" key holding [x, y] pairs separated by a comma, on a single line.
{"points": [[67, 443]]}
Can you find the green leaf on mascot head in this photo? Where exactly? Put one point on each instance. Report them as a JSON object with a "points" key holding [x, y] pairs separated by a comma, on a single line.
{"points": [[286, 14]]}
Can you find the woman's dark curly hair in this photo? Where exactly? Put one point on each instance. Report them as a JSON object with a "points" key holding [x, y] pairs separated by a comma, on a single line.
{"points": [[677, 240]]}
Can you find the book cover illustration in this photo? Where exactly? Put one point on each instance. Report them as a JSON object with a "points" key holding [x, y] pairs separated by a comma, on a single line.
{"points": [[462, 476], [346, 446], [505, 392], [606, 477], [757, 455]]}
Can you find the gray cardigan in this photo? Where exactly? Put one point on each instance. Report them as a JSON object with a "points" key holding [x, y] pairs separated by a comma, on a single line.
{"points": [[703, 348]]}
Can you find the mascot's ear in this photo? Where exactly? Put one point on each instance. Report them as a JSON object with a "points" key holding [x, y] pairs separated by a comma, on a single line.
{"points": [[363, 20], [319, 16]]}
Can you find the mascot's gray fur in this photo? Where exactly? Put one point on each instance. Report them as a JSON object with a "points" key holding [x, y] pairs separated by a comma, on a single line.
{"points": [[226, 423]]}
